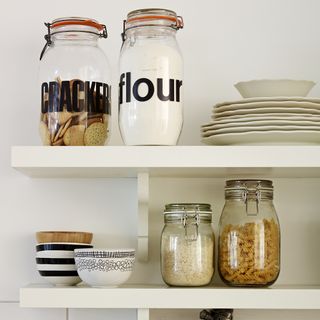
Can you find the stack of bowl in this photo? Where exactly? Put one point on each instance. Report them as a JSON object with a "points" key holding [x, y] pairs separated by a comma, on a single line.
{"points": [[55, 255], [104, 267]]}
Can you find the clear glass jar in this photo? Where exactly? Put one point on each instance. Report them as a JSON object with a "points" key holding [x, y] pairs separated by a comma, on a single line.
{"points": [[249, 235], [151, 78], [187, 245], [75, 82]]}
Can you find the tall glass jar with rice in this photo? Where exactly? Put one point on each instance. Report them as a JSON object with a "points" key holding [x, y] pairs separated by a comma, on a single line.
{"points": [[187, 245], [75, 84]]}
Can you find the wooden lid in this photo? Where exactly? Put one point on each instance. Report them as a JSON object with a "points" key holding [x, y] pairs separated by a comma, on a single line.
{"points": [[64, 236]]}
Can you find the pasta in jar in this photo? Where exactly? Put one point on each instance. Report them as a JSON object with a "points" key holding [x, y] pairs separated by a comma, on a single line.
{"points": [[241, 259], [249, 241]]}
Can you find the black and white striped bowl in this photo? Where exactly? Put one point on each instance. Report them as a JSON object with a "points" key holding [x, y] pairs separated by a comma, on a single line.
{"points": [[55, 262]]}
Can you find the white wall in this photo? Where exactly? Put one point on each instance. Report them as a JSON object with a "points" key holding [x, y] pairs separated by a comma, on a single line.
{"points": [[222, 42]]}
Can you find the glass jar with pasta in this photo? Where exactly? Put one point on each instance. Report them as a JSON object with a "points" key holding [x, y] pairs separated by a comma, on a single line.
{"points": [[249, 235]]}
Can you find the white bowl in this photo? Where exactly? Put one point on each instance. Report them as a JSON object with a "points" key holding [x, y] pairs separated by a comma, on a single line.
{"points": [[274, 88], [104, 267]]}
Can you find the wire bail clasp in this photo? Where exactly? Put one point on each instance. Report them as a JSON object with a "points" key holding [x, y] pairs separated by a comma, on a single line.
{"points": [[104, 33], [191, 227], [47, 37], [123, 33], [180, 23], [252, 201]]}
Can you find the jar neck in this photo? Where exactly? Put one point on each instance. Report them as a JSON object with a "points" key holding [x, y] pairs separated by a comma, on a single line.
{"points": [[156, 32], [75, 38], [186, 219], [247, 194]]}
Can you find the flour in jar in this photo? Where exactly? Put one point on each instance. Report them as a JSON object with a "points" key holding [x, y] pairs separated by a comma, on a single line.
{"points": [[150, 92]]}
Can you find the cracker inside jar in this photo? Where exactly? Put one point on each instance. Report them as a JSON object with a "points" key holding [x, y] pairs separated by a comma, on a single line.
{"points": [[74, 129]]}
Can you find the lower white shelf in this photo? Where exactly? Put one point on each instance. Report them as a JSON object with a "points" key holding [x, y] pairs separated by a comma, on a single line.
{"points": [[163, 297]]}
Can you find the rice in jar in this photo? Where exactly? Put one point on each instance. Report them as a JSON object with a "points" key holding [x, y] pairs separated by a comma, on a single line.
{"points": [[187, 245]]}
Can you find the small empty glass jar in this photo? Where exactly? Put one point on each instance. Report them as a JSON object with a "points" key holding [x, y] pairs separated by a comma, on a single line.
{"points": [[187, 245], [249, 236]]}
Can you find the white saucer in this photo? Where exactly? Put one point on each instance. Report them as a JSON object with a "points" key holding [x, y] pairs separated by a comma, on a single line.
{"points": [[265, 138], [254, 111], [227, 120], [266, 115], [265, 104], [283, 123], [248, 129], [261, 99]]}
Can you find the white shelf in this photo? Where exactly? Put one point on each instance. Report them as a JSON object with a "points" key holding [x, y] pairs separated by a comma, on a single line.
{"points": [[162, 297], [177, 161]]}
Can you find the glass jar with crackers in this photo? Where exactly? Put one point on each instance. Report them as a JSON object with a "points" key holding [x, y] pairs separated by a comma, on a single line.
{"points": [[75, 82], [249, 235]]}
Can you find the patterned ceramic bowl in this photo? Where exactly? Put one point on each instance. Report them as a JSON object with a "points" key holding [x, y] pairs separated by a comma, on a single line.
{"points": [[104, 267], [55, 262]]}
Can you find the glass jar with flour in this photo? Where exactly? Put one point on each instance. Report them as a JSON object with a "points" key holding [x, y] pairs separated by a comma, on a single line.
{"points": [[151, 78]]}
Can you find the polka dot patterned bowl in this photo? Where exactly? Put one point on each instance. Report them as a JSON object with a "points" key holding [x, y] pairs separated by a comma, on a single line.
{"points": [[104, 267]]}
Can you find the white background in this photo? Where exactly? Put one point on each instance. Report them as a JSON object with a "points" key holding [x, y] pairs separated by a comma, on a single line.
{"points": [[223, 42]]}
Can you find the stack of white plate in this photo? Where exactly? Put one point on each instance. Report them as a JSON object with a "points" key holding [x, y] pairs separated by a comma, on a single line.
{"points": [[271, 120]]}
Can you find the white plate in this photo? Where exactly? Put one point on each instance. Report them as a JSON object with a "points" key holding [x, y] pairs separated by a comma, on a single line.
{"points": [[265, 138], [266, 104], [223, 120], [266, 115], [258, 128], [315, 100], [283, 123], [251, 112]]}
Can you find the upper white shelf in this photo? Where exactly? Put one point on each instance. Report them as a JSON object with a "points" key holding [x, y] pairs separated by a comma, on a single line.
{"points": [[162, 297], [177, 161]]}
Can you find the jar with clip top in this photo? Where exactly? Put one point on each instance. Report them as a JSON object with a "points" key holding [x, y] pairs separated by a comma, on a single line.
{"points": [[75, 84], [187, 245], [151, 78], [249, 235]]}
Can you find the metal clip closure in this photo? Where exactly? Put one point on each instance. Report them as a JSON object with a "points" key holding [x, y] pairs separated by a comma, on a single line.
{"points": [[177, 24], [47, 37], [123, 33], [191, 225], [104, 33], [180, 23], [252, 200]]}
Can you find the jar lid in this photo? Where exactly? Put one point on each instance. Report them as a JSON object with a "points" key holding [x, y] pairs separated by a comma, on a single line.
{"points": [[152, 17], [152, 14], [248, 184], [253, 188], [182, 212], [73, 24], [188, 208], [76, 21]]}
